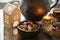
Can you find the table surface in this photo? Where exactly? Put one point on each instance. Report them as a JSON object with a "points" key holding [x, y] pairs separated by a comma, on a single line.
{"points": [[2, 27]]}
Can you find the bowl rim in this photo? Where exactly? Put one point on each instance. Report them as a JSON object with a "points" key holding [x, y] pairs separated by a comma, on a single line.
{"points": [[26, 30]]}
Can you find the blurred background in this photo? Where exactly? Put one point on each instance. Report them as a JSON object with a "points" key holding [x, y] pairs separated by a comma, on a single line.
{"points": [[3, 2]]}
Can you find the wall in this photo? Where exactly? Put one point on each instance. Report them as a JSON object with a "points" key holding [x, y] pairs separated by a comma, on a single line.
{"points": [[54, 0], [2, 3]]}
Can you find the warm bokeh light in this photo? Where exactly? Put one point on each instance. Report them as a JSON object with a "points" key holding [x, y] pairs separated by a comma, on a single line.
{"points": [[40, 11], [9, 8], [15, 23], [47, 17]]}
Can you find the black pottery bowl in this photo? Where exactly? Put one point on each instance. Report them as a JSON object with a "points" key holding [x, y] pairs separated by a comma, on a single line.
{"points": [[28, 34]]}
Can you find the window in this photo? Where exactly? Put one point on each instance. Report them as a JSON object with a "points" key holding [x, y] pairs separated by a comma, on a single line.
{"points": [[6, 19], [15, 17], [9, 8], [7, 22]]}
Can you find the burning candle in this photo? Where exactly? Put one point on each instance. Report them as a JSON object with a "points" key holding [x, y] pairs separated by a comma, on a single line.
{"points": [[47, 23], [47, 17]]}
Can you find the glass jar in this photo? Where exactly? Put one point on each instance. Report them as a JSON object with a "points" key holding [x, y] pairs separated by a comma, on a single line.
{"points": [[56, 14]]}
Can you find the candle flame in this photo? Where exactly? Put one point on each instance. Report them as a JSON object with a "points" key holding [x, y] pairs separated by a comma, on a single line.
{"points": [[47, 16]]}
